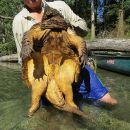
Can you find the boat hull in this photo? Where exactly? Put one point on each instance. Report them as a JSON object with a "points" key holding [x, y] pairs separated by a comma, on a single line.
{"points": [[119, 64]]}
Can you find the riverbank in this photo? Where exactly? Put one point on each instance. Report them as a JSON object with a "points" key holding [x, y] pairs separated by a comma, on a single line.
{"points": [[9, 58]]}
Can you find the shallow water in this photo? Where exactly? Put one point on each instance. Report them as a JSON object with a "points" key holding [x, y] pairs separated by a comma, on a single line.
{"points": [[15, 101], [119, 86]]}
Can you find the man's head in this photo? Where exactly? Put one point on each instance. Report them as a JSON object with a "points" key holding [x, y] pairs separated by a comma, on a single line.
{"points": [[33, 4]]}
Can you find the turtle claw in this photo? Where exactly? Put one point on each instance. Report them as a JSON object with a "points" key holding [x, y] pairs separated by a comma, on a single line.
{"points": [[30, 114]]}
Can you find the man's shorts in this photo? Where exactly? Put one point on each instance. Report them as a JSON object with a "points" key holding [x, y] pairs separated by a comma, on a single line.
{"points": [[91, 87]]}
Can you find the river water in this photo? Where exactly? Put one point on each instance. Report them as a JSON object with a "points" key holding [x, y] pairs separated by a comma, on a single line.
{"points": [[15, 99]]}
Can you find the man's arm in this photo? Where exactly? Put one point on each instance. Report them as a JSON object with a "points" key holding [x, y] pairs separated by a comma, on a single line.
{"points": [[18, 34], [70, 17], [78, 23]]}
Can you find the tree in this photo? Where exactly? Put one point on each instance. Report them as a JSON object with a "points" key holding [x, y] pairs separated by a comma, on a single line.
{"points": [[92, 20], [9, 8], [120, 29]]}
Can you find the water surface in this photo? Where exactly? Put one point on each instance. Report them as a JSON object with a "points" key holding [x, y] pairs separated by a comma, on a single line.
{"points": [[15, 99]]}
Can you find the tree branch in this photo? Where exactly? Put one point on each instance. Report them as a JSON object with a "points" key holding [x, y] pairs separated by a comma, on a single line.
{"points": [[4, 17]]}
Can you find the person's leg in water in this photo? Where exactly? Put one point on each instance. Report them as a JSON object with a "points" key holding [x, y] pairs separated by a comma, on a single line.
{"points": [[108, 99], [92, 88]]}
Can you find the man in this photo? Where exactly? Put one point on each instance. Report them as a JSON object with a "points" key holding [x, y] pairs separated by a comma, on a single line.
{"points": [[32, 14]]}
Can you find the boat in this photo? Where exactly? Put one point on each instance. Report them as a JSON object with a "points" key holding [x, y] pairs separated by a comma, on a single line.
{"points": [[114, 61]]}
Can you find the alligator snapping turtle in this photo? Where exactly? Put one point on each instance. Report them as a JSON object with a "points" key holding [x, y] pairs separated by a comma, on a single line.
{"points": [[51, 63]]}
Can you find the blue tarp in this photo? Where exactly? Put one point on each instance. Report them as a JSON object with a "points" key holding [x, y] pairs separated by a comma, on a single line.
{"points": [[100, 8], [100, 11]]}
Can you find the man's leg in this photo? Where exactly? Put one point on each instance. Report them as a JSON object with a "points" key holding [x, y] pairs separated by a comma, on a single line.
{"points": [[108, 99], [92, 88]]}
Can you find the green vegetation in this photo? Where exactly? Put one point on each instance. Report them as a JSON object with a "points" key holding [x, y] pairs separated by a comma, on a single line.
{"points": [[111, 17], [9, 8]]}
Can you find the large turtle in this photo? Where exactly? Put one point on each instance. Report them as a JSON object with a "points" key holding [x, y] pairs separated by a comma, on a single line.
{"points": [[51, 62]]}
